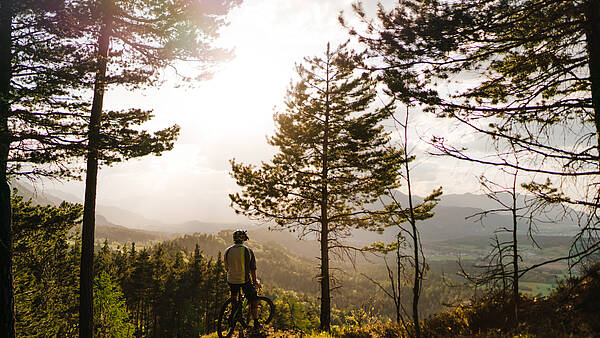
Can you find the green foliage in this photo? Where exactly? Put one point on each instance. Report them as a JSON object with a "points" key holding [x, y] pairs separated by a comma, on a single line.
{"points": [[527, 51], [572, 310], [137, 292], [52, 74], [167, 293], [51, 70], [380, 330], [276, 266], [535, 73], [170, 290], [42, 115], [111, 317], [332, 150], [361, 316], [334, 159], [121, 139], [421, 211], [405, 253], [282, 272], [48, 76], [294, 312], [45, 268], [173, 288]]}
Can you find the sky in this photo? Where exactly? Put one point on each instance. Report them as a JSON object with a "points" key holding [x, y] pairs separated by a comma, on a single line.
{"points": [[230, 116]]}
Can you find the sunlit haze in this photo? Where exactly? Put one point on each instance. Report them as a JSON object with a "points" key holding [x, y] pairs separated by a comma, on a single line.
{"points": [[230, 115]]}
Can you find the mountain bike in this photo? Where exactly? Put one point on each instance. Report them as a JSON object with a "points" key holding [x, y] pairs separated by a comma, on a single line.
{"points": [[236, 311]]}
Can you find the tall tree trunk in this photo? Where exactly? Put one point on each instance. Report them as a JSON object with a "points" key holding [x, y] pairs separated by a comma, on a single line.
{"points": [[515, 254], [398, 300], [415, 236], [593, 46], [325, 295], [86, 308], [7, 300]]}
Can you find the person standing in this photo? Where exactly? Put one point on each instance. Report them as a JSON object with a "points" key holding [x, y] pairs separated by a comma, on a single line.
{"points": [[240, 264]]}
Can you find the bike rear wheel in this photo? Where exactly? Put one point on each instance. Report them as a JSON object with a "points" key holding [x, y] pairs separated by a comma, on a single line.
{"points": [[228, 318], [266, 310]]}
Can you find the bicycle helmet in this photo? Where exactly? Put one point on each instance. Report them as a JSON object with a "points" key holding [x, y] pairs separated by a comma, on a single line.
{"points": [[240, 236]]}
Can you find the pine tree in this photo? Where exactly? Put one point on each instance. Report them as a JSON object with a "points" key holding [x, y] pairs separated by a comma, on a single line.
{"points": [[403, 216], [537, 63], [112, 318], [146, 36], [333, 160], [32, 125], [46, 72], [46, 268]]}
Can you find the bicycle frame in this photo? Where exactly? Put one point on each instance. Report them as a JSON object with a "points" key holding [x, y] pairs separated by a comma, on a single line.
{"points": [[237, 311], [228, 320]]}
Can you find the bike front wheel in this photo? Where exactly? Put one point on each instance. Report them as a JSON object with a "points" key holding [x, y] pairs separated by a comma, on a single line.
{"points": [[228, 318], [266, 310]]}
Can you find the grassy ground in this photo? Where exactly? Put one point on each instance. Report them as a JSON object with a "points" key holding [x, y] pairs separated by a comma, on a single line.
{"points": [[279, 334]]}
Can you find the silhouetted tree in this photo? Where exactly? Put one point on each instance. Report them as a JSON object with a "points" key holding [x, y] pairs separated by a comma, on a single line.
{"points": [[34, 126], [47, 64], [404, 217], [503, 269], [536, 65], [138, 39], [332, 161]]}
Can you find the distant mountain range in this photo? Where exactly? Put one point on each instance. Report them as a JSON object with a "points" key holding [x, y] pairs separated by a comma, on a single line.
{"points": [[115, 216], [450, 220], [456, 217]]}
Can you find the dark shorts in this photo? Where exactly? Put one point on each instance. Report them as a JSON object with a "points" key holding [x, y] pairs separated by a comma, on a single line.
{"points": [[248, 288]]}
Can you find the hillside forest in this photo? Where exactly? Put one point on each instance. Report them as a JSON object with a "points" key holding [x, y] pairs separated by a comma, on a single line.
{"points": [[344, 245]]}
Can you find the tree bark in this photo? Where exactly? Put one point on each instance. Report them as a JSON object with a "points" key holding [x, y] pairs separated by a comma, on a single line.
{"points": [[415, 236], [515, 253], [7, 300], [86, 308], [398, 300], [593, 46], [325, 319]]}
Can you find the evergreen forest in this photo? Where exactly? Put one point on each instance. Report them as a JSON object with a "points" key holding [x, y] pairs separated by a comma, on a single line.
{"points": [[355, 204]]}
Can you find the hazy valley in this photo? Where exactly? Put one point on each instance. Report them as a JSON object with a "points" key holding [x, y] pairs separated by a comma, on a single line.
{"points": [[448, 237]]}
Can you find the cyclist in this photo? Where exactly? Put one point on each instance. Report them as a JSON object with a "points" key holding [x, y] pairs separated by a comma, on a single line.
{"points": [[241, 272]]}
